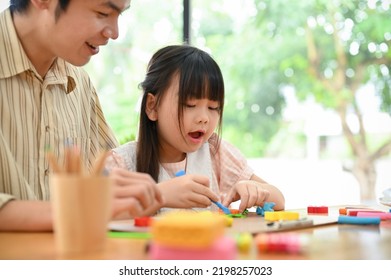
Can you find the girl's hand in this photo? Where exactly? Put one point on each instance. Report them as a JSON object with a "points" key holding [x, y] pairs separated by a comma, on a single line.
{"points": [[187, 191], [251, 193]]}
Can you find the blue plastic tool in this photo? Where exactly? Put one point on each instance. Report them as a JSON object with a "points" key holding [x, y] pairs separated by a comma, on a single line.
{"points": [[222, 207], [180, 173], [358, 220]]}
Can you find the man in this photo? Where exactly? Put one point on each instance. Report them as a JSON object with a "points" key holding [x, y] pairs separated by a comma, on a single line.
{"points": [[47, 101]]}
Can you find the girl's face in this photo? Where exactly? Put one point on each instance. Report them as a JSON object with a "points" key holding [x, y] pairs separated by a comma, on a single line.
{"points": [[199, 121]]}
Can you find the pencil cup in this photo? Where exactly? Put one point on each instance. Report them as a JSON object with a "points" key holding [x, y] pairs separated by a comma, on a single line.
{"points": [[81, 212]]}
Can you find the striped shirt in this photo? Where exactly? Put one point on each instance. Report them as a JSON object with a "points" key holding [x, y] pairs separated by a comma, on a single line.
{"points": [[36, 113]]}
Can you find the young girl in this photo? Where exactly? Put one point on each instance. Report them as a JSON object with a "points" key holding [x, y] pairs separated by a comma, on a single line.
{"points": [[181, 110]]}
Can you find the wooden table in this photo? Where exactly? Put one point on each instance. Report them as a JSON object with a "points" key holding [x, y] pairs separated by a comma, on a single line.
{"points": [[325, 242]]}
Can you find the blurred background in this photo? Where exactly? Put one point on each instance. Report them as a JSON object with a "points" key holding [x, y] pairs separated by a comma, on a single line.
{"points": [[307, 86]]}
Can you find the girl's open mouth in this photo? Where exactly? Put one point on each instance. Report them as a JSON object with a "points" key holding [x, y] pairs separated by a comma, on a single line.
{"points": [[196, 134]]}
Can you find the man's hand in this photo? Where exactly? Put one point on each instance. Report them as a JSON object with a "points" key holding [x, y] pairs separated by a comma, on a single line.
{"points": [[134, 192]]}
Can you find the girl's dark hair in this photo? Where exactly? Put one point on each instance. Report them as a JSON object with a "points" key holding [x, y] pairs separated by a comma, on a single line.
{"points": [[21, 6], [199, 77]]}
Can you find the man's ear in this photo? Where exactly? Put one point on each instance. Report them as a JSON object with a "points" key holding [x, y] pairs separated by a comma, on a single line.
{"points": [[150, 108]]}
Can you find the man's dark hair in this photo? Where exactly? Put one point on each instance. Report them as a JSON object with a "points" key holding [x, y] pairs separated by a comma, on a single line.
{"points": [[21, 6]]}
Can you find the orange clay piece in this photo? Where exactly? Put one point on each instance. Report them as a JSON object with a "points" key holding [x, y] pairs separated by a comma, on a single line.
{"points": [[233, 211], [187, 229], [343, 211]]}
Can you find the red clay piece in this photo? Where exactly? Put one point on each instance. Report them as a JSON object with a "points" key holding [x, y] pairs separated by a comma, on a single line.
{"points": [[142, 221], [317, 210]]}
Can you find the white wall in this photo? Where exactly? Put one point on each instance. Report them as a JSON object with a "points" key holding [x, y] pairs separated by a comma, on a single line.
{"points": [[4, 4]]}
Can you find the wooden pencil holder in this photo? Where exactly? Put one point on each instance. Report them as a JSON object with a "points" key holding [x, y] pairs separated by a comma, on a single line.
{"points": [[81, 212]]}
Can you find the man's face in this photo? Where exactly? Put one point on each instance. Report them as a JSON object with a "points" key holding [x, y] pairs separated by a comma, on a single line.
{"points": [[82, 28]]}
